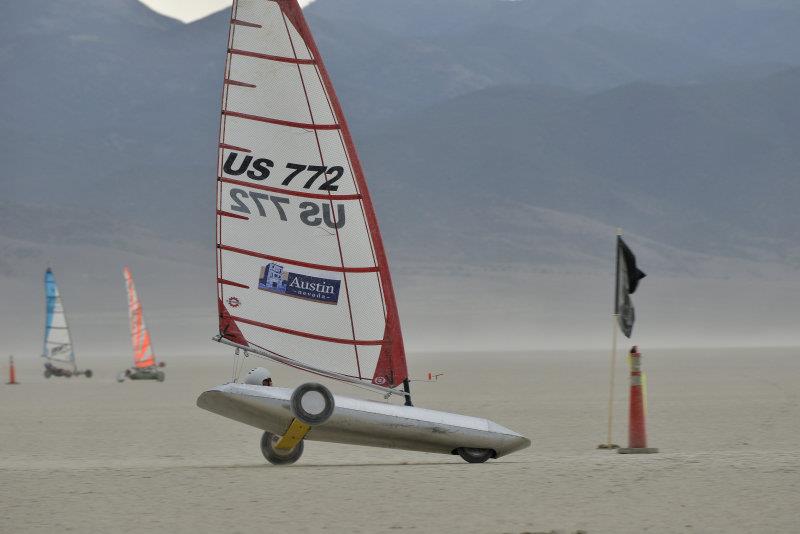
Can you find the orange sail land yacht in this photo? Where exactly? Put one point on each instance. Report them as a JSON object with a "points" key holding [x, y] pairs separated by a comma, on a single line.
{"points": [[144, 359]]}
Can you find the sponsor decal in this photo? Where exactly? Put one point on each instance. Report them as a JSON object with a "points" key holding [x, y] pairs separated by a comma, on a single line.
{"points": [[58, 349], [276, 279], [380, 380], [233, 302]]}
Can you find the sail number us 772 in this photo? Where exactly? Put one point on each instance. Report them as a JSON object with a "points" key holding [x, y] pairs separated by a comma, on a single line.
{"points": [[321, 176]]}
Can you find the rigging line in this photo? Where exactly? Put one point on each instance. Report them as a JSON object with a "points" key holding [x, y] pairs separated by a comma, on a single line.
{"points": [[330, 201], [274, 356], [357, 188]]}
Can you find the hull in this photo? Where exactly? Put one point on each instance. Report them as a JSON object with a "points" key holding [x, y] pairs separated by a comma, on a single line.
{"points": [[147, 375], [142, 374], [52, 370], [362, 422]]}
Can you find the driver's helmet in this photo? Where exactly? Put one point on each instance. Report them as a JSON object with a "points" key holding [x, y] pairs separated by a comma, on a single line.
{"points": [[259, 376]]}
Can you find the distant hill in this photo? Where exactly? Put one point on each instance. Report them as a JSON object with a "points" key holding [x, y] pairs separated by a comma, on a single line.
{"points": [[113, 107], [710, 168]]}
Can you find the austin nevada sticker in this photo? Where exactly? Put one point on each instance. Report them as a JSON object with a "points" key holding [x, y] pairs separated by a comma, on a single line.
{"points": [[276, 279]]}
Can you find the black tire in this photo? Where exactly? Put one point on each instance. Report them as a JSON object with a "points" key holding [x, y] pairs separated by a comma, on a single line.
{"points": [[48, 373], [475, 456], [312, 403], [279, 456], [88, 373], [160, 376]]}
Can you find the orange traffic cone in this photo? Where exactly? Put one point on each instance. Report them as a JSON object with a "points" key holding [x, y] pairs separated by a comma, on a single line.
{"points": [[637, 432], [12, 375]]}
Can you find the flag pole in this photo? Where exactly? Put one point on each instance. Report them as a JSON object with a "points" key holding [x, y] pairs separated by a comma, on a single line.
{"points": [[609, 444], [614, 326]]}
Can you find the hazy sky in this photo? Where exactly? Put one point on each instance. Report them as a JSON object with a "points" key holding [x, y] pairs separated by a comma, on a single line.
{"points": [[190, 10]]}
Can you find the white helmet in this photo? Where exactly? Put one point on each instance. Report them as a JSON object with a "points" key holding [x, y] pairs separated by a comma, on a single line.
{"points": [[258, 376]]}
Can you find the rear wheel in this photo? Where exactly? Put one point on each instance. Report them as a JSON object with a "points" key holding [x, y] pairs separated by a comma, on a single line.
{"points": [[277, 456], [475, 456], [48, 373], [160, 376]]}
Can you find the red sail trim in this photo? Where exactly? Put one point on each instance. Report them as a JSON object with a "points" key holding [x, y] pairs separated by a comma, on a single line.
{"points": [[226, 146], [231, 283], [303, 194], [244, 23], [232, 215], [228, 327], [281, 122], [393, 353], [270, 57], [240, 84], [309, 335], [330, 268]]}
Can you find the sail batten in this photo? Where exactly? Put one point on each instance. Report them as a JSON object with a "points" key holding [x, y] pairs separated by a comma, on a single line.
{"points": [[301, 270], [329, 196], [332, 268], [281, 122], [269, 57], [57, 339], [143, 355]]}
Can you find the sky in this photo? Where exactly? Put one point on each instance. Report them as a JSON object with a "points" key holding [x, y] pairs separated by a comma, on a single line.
{"points": [[191, 10]]}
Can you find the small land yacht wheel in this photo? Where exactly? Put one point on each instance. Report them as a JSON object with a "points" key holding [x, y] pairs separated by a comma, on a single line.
{"points": [[160, 376], [312, 403], [475, 456], [88, 373], [48, 373], [277, 456]]}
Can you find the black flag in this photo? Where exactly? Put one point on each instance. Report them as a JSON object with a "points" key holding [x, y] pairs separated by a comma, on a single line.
{"points": [[628, 276]]}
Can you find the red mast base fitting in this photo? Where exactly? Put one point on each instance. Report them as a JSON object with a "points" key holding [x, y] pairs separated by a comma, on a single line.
{"points": [[637, 432]]}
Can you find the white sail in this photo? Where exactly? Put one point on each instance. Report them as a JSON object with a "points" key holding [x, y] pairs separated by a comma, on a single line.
{"points": [[57, 341], [301, 269]]}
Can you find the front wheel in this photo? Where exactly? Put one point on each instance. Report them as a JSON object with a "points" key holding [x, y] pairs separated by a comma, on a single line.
{"points": [[88, 373], [160, 376], [312, 403], [277, 456], [475, 456], [48, 373]]}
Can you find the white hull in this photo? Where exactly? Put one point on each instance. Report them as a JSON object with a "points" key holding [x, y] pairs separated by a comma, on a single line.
{"points": [[362, 422]]}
